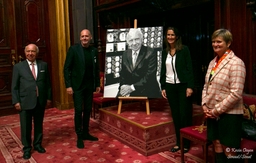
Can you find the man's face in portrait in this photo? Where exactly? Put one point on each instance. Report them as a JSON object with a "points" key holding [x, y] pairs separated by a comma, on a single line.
{"points": [[134, 40]]}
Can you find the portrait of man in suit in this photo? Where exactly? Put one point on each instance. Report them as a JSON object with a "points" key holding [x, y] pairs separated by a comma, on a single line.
{"points": [[31, 92], [139, 68]]}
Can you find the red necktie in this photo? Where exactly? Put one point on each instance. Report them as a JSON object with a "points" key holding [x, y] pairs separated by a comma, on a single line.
{"points": [[33, 70], [34, 74]]}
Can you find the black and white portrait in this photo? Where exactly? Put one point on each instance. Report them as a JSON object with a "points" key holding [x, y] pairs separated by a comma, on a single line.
{"points": [[133, 60]]}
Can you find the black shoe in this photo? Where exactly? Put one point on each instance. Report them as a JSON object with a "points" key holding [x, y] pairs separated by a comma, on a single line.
{"points": [[80, 143], [175, 149], [27, 155], [90, 137], [39, 149]]}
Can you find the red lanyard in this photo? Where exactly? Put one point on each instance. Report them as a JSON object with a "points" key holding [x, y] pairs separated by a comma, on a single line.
{"points": [[218, 60]]}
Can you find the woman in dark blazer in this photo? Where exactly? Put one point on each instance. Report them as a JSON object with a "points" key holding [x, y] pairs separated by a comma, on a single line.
{"points": [[177, 82]]}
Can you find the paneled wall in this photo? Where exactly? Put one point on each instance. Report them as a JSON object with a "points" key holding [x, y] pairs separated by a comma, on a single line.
{"points": [[21, 22], [82, 18], [196, 28], [237, 16], [196, 19]]}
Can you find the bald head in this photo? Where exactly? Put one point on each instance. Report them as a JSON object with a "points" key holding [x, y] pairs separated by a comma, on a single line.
{"points": [[32, 45], [85, 37], [31, 51]]}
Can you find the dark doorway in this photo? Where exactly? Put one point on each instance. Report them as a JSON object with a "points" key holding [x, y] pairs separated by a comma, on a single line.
{"points": [[22, 22]]}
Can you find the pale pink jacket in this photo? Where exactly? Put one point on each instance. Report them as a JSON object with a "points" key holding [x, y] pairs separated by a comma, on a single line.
{"points": [[224, 91]]}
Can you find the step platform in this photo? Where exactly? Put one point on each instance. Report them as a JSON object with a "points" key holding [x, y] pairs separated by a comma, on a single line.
{"points": [[147, 134]]}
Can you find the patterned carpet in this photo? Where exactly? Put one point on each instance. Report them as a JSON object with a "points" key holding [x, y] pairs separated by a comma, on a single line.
{"points": [[147, 134], [60, 143]]}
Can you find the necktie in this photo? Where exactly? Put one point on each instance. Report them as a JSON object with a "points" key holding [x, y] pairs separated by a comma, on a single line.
{"points": [[34, 74], [33, 70], [134, 58]]}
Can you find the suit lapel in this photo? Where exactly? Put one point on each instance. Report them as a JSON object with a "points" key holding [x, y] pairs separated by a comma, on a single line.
{"points": [[92, 55], [39, 67], [27, 68], [80, 54], [129, 59], [139, 58], [141, 55], [222, 64]]}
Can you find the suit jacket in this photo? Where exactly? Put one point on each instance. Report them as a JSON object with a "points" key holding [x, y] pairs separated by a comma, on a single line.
{"points": [[225, 88], [24, 85], [74, 67], [143, 75], [183, 65]]}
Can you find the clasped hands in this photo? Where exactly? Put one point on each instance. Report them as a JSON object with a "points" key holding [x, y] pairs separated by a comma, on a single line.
{"points": [[209, 113], [125, 90]]}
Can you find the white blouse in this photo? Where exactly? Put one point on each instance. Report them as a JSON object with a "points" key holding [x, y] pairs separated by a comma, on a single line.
{"points": [[171, 73]]}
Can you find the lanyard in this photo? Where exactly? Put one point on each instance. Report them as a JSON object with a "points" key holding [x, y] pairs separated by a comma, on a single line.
{"points": [[218, 60]]}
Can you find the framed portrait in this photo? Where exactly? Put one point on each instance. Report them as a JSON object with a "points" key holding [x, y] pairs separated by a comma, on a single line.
{"points": [[118, 51]]}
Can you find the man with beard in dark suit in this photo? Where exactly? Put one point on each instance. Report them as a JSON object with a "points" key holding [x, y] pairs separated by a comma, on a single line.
{"points": [[139, 66], [82, 78], [31, 91]]}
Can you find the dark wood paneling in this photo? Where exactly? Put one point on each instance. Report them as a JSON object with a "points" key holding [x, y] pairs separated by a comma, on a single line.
{"points": [[21, 22], [101, 2], [233, 15], [237, 17], [196, 28], [32, 17], [250, 54], [7, 53]]}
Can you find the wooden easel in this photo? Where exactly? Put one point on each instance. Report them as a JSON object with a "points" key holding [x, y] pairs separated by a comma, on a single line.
{"points": [[133, 98]]}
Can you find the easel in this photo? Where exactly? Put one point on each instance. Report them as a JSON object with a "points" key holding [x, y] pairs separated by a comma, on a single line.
{"points": [[133, 98]]}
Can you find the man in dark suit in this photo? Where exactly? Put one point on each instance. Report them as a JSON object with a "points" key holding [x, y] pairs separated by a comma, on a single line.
{"points": [[31, 91], [139, 66], [82, 77]]}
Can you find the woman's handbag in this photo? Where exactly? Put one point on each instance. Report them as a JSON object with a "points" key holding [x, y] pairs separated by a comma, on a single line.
{"points": [[249, 126]]}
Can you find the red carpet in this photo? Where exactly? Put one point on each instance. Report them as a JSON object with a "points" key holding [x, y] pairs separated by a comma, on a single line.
{"points": [[147, 134], [60, 143]]}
